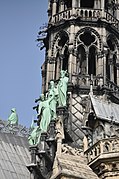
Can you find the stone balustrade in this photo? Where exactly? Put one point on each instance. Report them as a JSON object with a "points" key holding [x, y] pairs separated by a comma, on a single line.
{"points": [[86, 14], [85, 80], [112, 20], [113, 87], [76, 12], [104, 146]]}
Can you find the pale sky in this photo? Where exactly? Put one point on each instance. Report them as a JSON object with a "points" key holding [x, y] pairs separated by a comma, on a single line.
{"points": [[20, 58]]}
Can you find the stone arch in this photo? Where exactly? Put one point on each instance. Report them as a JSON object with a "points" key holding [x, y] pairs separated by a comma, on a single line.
{"points": [[57, 46], [92, 31]]}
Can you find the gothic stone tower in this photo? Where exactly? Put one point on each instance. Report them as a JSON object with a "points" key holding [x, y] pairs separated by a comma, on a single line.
{"points": [[83, 38]]}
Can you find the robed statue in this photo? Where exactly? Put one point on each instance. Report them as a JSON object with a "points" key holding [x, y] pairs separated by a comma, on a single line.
{"points": [[52, 94], [35, 133], [62, 88], [13, 118], [44, 113]]}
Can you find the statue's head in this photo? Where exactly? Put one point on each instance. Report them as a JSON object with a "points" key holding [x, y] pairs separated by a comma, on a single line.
{"points": [[62, 73], [52, 84], [13, 110], [42, 97]]}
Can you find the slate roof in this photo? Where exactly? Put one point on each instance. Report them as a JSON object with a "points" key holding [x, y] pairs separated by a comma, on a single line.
{"points": [[105, 110], [14, 156]]}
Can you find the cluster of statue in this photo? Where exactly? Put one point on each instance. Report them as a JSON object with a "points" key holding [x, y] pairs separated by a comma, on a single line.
{"points": [[56, 96], [13, 117]]}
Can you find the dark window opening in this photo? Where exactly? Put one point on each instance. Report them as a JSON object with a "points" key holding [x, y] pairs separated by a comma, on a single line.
{"points": [[106, 4], [115, 69], [68, 4], [65, 60], [81, 61], [87, 3], [92, 61], [107, 67], [87, 38], [63, 40], [57, 66], [111, 44], [57, 8]]}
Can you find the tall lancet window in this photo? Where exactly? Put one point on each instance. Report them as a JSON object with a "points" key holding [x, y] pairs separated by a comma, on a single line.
{"points": [[87, 53], [65, 59], [115, 69], [57, 66], [81, 61], [111, 69], [61, 53], [92, 61]]}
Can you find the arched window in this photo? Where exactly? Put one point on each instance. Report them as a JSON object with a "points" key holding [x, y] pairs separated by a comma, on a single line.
{"points": [[92, 61], [81, 61], [111, 70]]}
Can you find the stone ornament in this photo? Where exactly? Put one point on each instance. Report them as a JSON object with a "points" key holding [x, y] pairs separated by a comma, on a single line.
{"points": [[66, 149]]}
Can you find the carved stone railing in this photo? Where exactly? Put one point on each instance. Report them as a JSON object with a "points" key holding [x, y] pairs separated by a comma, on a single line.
{"points": [[18, 130], [104, 146], [85, 14], [76, 12], [85, 80], [114, 89], [112, 20]]}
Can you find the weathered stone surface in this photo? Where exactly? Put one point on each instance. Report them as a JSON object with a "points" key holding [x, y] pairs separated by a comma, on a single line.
{"points": [[70, 167]]}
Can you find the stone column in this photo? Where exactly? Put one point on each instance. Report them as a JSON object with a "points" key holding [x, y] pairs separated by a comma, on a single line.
{"points": [[74, 3], [102, 7], [118, 74], [85, 143], [111, 70], [54, 7], [117, 11], [102, 4], [87, 54], [62, 6], [99, 65], [47, 75], [104, 69], [72, 31], [105, 52], [33, 150], [79, 3]]}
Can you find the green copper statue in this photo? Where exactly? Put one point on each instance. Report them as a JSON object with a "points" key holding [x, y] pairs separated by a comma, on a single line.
{"points": [[62, 88], [52, 94], [34, 137], [13, 118], [44, 112]]}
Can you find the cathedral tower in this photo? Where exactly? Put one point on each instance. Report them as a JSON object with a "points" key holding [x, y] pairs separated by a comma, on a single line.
{"points": [[82, 38]]}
